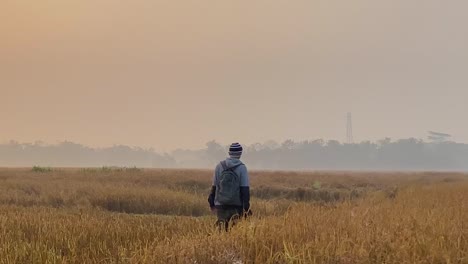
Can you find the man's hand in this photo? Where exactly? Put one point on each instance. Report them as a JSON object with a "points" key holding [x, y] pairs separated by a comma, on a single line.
{"points": [[213, 210], [211, 197]]}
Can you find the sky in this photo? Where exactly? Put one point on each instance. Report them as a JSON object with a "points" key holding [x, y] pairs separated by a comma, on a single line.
{"points": [[170, 74]]}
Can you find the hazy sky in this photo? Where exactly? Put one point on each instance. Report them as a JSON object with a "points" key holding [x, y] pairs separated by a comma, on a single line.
{"points": [[169, 74]]}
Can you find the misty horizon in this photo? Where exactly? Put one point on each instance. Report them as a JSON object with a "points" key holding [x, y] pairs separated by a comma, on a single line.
{"points": [[385, 154], [226, 144]]}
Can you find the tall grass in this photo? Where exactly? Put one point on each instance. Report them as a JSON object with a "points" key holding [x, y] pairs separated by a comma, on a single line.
{"points": [[161, 216]]}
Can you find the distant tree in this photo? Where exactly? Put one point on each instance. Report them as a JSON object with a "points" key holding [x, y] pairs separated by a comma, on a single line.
{"points": [[215, 152]]}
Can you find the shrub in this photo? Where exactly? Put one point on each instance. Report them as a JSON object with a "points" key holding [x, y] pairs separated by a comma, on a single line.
{"points": [[41, 169]]}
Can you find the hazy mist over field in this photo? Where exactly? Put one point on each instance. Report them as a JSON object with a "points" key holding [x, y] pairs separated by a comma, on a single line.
{"points": [[177, 74], [114, 114]]}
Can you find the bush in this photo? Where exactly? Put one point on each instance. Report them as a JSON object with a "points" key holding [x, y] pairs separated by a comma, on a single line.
{"points": [[41, 169]]}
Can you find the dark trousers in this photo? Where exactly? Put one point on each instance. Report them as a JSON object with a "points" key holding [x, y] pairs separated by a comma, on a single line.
{"points": [[227, 215]]}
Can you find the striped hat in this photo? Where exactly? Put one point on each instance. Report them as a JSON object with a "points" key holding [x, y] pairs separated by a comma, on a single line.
{"points": [[235, 150]]}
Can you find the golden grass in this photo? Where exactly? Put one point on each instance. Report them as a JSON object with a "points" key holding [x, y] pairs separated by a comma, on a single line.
{"points": [[161, 216]]}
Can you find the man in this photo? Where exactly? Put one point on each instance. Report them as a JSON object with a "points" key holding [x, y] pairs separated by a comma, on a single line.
{"points": [[230, 193]]}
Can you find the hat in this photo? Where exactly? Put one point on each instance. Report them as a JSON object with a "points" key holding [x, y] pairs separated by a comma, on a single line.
{"points": [[235, 150]]}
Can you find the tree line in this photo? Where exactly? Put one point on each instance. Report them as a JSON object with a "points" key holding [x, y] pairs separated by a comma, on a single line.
{"points": [[385, 154]]}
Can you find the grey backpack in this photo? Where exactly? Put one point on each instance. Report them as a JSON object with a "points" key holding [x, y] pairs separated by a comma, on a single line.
{"points": [[228, 189]]}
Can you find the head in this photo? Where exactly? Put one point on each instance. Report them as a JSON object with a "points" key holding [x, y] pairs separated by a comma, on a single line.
{"points": [[235, 151]]}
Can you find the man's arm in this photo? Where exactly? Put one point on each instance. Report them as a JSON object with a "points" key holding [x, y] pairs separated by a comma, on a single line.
{"points": [[245, 197], [245, 188], [211, 197]]}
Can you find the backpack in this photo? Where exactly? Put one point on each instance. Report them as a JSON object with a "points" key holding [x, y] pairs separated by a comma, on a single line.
{"points": [[228, 189]]}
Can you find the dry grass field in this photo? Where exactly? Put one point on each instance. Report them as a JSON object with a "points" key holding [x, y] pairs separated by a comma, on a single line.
{"points": [[111, 215]]}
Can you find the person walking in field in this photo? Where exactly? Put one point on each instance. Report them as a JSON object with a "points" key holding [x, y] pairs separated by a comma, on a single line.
{"points": [[230, 193]]}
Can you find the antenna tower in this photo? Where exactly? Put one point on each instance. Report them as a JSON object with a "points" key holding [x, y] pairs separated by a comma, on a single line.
{"points": [[349, 129]]}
